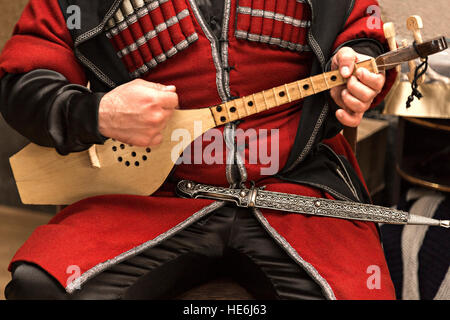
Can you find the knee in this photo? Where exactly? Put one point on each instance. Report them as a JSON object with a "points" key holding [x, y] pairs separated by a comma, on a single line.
{"points": [[31, 282]]}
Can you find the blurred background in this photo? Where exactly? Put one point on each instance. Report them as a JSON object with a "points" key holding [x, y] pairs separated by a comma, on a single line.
{"points": [[17, 221]]}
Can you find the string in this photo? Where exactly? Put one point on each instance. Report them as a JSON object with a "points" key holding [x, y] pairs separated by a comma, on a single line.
{"points": [[421, 69]]}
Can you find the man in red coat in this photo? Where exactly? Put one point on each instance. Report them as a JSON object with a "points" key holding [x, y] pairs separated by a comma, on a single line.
{"points": [[143, 59]]}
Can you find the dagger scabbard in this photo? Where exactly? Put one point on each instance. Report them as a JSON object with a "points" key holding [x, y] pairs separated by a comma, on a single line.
{"points": [[263, 199]]}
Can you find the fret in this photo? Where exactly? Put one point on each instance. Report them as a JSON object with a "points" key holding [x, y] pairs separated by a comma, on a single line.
{"points": [[260, 101], [287, 93], [325, 79], [275, 97], [299, 85], [265, 100], [294, 91], [318, 84], [266, 106], [231, 110], [256, 103], [270, 99], [241, 108], [312, 85]]}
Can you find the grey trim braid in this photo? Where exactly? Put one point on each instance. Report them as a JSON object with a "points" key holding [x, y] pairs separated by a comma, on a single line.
{"points": [[310, 142], [312, 272], [101, 75], [240, 34], [89, 274], [214, 49], [276, 16], [229, 137], [224, 46], [94, 31], [151, 34], [241, 166], [347, 179], [91, 33]]}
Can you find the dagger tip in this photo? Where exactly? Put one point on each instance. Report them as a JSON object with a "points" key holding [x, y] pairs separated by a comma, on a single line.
{"points": [[445, 223]]}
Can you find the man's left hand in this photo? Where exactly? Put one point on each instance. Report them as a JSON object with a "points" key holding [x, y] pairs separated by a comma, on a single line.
{"points": [[357, 95]]}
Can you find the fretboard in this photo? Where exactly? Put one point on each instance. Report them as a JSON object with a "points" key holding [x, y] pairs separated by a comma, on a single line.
{"points": [[291, 92]]}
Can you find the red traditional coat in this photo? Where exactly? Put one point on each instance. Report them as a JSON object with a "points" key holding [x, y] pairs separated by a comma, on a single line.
{"points": [[264, 51]]}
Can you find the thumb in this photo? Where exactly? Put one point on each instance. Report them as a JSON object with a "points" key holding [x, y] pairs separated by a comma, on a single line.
{"points": [[346, 58], [170, 88]]}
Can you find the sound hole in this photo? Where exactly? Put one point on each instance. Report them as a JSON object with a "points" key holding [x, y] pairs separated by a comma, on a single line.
{"points": [[223, 119], [127, 163], [120, 159], [114, 148], [281, 94], [250, 103], [306, 86], [136, 163], [232, 109], [133, 154], [148, 150], [122, 146], [333, 78], [219, 109], [144, 158]]}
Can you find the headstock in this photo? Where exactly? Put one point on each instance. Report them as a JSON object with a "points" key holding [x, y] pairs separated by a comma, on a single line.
{"points": [[408, 53]]}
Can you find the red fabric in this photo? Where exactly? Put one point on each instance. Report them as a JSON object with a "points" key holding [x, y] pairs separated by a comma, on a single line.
{"points": [[41, 41], [97, 229]]}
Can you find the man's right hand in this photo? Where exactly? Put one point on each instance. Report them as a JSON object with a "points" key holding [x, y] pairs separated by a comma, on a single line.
{"points": [[136, 112]]}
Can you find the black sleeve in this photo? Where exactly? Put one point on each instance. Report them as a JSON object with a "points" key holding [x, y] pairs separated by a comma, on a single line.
{"points": [[365, 46], [48, 110]]}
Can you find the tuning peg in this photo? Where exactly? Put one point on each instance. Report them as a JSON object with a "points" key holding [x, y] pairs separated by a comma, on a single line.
{"points": [[389, 33], [415, 24]]}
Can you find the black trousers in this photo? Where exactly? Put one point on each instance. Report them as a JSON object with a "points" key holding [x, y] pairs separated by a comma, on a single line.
{"points": [[229, 241]]}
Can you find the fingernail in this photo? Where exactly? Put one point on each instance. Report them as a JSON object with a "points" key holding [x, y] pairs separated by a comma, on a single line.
{"points": [[345, 71], [170, 88]]}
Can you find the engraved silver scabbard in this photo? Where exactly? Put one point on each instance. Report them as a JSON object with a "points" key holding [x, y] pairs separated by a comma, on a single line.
{"points": [[258, 198]]}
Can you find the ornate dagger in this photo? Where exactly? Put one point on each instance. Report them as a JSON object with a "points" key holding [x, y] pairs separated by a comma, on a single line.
{"points": [[258, 198]]}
